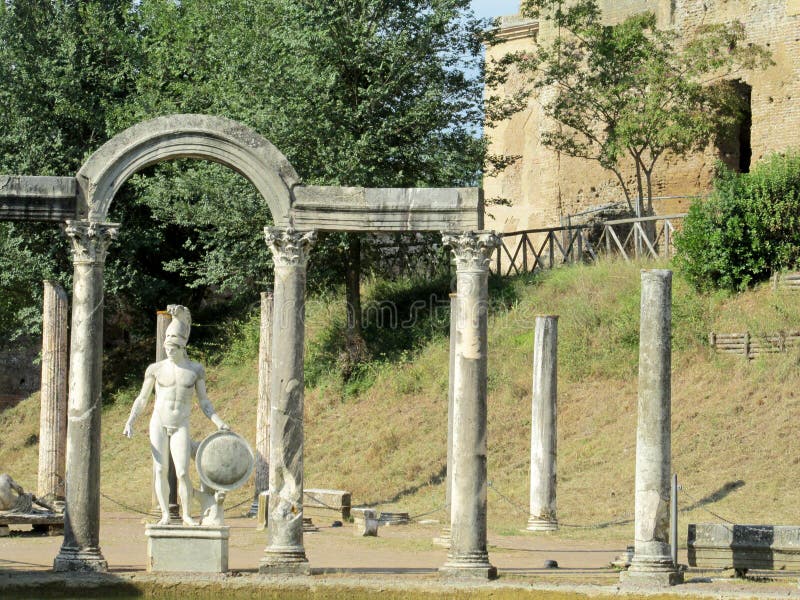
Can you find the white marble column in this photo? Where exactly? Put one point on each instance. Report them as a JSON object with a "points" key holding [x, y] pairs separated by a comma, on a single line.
{"points": [[543, 425], [285, 552], [262, 415], [53, 417], [652, 559], [468, 556], [80, 550]]}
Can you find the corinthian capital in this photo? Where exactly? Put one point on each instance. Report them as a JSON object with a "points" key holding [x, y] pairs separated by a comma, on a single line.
{"points": [[472, 249], [90, 240], [289, 248]]}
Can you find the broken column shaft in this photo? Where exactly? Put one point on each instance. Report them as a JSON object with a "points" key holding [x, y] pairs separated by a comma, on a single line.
{"points": [[543, 426], [53, 418]]}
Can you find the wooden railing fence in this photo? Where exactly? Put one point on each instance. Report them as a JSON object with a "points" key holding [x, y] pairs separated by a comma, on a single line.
{"points": [[641, 237], [633, 239], [542, 249], [786, 281], [751, 346]]}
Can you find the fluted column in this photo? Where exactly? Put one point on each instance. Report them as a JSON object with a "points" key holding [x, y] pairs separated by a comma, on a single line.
{"points": [[80, 550], [285, 552], [444, 538], [53, 417], [652, 558], [262, 416], [543, 426], [468, 556]]}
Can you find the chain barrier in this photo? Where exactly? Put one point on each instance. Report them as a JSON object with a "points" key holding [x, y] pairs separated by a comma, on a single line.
{"points": [[123, 505], [415, 518], [699, 504]]}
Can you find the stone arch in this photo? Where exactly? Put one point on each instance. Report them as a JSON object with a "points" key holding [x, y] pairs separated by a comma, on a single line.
{"points": [[204, 137]]}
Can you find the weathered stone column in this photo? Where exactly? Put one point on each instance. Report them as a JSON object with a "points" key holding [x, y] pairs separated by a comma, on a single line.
{"points": [[444, 538], [262, 416], [285, 552], [543, 425], [53, 416], [468, 556], [652, 561], [80, 550]]}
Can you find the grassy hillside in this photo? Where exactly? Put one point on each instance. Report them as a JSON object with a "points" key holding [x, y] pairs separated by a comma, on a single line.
{"points": [[382, 434]]}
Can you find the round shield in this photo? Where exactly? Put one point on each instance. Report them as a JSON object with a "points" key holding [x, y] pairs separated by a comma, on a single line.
{"points": [[224, 460]]}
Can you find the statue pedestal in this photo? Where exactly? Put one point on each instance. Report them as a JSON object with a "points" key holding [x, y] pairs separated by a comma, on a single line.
{"points": [[188, 549]]}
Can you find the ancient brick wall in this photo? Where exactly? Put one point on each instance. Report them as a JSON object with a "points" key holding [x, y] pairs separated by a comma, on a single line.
{"points": [[545, 187], [20, 373]]}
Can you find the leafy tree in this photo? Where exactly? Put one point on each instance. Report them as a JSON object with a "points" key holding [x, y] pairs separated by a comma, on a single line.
{"points": [[748, 227], [633, 92], [61, 65], [363, 93]]}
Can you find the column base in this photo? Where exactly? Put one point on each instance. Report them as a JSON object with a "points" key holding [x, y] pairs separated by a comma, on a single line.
{"points": [[288, 561], [654, 571], [75, 559], [474, 565], [537, 524]]}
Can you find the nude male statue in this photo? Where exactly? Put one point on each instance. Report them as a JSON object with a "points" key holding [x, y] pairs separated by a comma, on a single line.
{"points": [[176, 379]]}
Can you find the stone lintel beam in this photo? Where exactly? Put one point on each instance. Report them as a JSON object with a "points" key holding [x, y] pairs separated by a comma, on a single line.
{"points": [[332, 208], [24, 198]]}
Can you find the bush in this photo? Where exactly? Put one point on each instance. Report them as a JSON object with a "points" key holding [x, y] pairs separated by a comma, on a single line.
{"points": [[748, 227]]}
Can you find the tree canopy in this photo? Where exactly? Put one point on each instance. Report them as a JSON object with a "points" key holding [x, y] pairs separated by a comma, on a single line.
{"points": [[353, 92]]}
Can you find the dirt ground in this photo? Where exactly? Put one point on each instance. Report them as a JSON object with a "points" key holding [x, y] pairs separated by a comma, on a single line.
{"points": [[401, 556]]}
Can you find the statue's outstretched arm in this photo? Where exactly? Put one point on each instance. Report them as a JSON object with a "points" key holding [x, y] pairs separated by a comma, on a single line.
{"points": [[141, 400], [204, 402]]}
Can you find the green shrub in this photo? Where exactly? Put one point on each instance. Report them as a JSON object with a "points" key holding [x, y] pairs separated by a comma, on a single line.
{"points": [[747, 228]]}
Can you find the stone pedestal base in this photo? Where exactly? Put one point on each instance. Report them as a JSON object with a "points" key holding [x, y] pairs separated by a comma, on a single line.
{"points": [[656, 572], [187, 549], [469, 567], [74, 559], [365, 522], [443, 541], [537, 524], [284, 562]]}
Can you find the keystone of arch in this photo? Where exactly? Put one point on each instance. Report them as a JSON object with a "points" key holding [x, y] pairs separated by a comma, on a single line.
{"points": [[204, 137]]}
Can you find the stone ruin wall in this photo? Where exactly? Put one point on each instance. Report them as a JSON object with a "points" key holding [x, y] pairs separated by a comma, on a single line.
{"points": [[545, 187], [20, 371]]}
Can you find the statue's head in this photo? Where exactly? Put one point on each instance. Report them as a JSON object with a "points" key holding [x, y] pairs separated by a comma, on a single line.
{"points": [[177, 334]]}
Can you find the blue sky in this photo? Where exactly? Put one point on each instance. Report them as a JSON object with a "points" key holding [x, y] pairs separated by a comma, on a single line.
{"points": [[495, 8]]}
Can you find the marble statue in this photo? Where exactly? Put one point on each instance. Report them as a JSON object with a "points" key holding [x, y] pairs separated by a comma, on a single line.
{"points": [[176, 380], [14, 499]]}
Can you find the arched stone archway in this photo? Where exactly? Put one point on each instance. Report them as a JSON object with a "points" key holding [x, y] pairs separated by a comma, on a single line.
{"points": [[185, 136], [84, 203]]}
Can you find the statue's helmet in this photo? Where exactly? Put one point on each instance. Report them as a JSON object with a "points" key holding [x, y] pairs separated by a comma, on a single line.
{"points": [[178, 330]]}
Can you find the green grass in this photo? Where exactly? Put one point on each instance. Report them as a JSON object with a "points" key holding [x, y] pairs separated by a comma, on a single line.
{"points": [[382, 433]]}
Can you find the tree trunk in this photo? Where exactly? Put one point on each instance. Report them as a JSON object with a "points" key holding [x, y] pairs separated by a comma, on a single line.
{"points": [[356, 347]]}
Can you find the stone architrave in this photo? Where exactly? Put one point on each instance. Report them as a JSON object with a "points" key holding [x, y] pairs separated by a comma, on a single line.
{"points": [[543, 426], [468, 556], [80, 550], [652, 559], [53, 417], [285, 552], [262, 414]]}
